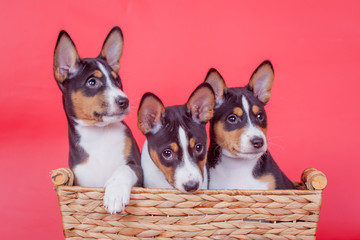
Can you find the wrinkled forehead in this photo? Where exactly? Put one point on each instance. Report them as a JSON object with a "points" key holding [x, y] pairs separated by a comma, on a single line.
{"points": [[234, 97], [92, 67], [174, 118], [92, 64]]}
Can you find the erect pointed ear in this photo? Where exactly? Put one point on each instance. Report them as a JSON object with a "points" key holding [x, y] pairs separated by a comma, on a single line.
{"points": [[217, 83], [261, 81], [201, 103], [113, 48], [65, 57], [150, 112]]}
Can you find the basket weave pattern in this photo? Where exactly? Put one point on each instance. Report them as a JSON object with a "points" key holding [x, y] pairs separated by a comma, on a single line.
{"points": [[208, 214]]}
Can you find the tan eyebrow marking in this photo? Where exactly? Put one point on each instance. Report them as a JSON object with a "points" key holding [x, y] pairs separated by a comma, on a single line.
{"points": [[174, 146], [238, 111], [255, 109], [97, 74], [192, 142]]}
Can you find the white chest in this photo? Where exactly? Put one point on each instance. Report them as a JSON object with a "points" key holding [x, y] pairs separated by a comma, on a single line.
{"points": [[105, 147], [233, 173]]}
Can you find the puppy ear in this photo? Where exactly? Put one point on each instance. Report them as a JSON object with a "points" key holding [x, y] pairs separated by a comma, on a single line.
{"points": [[113, 47], [261, 81], [150, 112], [201, 103], [65, 57], [217, 83]]}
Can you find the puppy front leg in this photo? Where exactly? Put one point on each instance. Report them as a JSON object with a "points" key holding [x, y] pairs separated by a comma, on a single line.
{"points": [[118, 188]]}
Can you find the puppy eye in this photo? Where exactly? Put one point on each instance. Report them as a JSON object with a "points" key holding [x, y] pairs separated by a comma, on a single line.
{"points": [[92, 82], [260, 116], [168, 154], [232, 118], [199, 148]]}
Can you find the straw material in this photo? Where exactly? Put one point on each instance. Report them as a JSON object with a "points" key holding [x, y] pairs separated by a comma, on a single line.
{"points": [[207, 214]]}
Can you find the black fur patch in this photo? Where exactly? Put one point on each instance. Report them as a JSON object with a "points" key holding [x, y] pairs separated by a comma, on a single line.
{"points": [[173, 118], [232, 99]]}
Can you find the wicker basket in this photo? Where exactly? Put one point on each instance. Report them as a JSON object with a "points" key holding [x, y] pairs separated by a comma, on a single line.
{"points": [[208, 214]]}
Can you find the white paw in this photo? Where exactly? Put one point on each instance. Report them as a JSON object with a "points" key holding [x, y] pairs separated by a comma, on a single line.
{"points": [[116, 197]]}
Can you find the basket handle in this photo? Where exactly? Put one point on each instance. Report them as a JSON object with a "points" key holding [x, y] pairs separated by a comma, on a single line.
{"points": [[62, 177], [314, 179]]}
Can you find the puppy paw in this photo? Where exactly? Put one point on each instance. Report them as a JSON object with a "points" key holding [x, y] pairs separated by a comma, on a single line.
{"points": [[116, 197]]}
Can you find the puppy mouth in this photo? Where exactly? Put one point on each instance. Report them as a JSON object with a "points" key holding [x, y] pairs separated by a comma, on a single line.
{"points": [[107, 118], [119, 114], [250, 155], [244, 155], [115, 115]]}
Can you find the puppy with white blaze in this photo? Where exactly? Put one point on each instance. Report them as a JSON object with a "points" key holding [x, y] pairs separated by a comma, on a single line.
{"points": [[238, 157], [102, 149], [174, 153]]}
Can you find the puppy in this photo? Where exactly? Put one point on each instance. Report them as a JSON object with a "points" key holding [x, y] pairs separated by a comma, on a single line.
{"points": [[238, 156], [102, 150], [174, 153]]}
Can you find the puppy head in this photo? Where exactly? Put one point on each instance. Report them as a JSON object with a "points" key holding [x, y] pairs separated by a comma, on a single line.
{"points": [[239, 125], [176, 136], [91, 87]]}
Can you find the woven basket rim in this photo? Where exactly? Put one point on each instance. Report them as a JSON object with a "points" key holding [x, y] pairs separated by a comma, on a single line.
{"points": [[231, 192]]}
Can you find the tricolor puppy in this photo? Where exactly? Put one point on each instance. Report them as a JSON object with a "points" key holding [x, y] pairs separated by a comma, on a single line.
{"points": [[174, 153], [238, 156], [102, 150]]}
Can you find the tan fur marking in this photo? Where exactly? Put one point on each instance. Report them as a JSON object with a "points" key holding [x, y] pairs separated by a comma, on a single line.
{"points": [[192, 142], [201, 164], [84, 107], [97, 74], [114, 74], [229, 140], [127, 148], [255, 109], [268, 178], [174, 146], [264, 130], [60, 78], [167, 171], [238, 111]]}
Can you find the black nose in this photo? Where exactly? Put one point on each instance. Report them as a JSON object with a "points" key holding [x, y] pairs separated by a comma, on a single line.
{"points": [[123, 103], [257, 142], [191, 186]]}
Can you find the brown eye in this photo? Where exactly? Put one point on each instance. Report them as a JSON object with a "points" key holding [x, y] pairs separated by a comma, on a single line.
{"points": [[168, 154], [260, 116], [199, 148], [232, 118], [92, 83]]}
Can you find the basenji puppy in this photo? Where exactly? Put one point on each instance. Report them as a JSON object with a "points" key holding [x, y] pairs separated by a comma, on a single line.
{"points": [[238, 156], [102, 150], [174, 153]]}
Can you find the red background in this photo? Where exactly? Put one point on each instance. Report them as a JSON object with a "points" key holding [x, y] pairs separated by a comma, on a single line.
{"points": [[169, 47]]}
